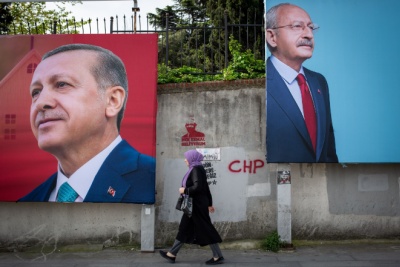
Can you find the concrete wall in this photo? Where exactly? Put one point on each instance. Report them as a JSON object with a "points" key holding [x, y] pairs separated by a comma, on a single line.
{"points": [[345, 201], [328, 200], [230, 116], [51, 225]]}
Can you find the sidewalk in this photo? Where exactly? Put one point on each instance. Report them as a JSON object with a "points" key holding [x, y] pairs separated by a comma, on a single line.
{"points": [[386, 254]]}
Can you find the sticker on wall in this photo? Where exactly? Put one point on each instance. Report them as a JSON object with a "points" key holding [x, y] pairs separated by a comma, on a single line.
{"points": [[284, 177], [211, 173], [210, 153], [193, 137]]}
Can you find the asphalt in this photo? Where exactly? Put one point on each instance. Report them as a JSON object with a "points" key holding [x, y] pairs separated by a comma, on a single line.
{"points": [[340, 254]]}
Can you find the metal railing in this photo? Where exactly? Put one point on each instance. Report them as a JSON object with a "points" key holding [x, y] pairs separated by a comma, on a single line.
{"points": [[208, 45]]}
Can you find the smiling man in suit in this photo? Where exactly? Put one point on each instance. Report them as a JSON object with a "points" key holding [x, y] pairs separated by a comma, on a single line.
{"points": [[79, 94], [299, 124]]}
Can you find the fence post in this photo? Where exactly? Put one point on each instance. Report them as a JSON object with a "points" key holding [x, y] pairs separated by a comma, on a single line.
{"points": [[111, 24], [204, 47], [226, 37], [166, 39], [116, 21], [54, 26]]}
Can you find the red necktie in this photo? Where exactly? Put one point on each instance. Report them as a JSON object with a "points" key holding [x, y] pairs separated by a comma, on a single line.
{"points": [[308, 109]]}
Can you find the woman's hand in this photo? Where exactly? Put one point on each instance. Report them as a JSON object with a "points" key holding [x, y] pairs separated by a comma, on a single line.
{"points": [[211, 209], [181, 190]]}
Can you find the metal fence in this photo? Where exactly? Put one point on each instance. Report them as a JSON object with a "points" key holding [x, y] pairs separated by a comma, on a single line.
{"points": [[202, 46]]}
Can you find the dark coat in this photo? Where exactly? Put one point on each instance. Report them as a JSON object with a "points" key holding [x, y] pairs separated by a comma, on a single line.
{"points": [[287, 136], [130, 173], [198, 229]]}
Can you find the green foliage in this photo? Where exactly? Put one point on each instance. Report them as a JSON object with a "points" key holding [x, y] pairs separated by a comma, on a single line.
{"points": [[5, 17], [205, 45], [272, 242], [182, 13], [35, 18], [158, 20], [237, 11], [244, 65], [183, 74]]}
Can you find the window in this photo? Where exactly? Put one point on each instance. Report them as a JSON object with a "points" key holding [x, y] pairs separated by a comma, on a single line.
{"points": [[10, 134], [11, 118], [31, 68]]}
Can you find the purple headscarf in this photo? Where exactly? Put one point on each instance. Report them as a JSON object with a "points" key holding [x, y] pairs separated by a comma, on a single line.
{"points": [[194, 158]]}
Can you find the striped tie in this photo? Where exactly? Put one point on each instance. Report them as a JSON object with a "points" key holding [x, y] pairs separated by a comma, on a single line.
{"points": [[66, 193]]}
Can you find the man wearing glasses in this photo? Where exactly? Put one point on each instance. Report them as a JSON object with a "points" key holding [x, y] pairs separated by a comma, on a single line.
{"points": [[299, 124]]}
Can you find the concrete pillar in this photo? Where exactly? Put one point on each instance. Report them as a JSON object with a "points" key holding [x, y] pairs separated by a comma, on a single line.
{"points": [[147, 228], [284, 202]]}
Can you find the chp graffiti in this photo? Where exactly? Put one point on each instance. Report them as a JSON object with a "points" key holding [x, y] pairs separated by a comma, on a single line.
{"points": [[211, 174], [246, 166]]}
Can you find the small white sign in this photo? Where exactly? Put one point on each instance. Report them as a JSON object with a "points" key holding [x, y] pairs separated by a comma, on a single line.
{"points": [[210, 153]]}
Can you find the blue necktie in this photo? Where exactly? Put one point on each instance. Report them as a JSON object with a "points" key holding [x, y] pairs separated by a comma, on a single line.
{"points": [[66, 193]]}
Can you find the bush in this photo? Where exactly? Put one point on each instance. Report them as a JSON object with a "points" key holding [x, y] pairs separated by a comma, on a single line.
{"points": [[272, 242], [243, 65], [183, 74]]}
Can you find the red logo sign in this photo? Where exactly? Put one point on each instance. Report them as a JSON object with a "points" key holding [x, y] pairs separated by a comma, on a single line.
{"points": [[193, 137]]}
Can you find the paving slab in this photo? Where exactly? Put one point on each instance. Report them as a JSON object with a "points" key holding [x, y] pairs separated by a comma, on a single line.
{"points": [[338, 255]]}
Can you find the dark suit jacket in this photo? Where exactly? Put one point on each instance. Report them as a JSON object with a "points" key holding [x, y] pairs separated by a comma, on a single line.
{"points": [[129, 173], [287, 136]]}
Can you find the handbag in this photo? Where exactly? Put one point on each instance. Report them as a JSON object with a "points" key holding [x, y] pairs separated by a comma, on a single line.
{"points": [[187, 205], [179, 203]]}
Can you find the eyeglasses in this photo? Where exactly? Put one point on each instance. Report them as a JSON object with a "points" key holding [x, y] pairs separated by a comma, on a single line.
{"points": [[299, 26]]}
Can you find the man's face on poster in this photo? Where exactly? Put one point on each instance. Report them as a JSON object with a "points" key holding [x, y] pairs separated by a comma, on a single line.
{"points": [[293, 40], [67, 107]]}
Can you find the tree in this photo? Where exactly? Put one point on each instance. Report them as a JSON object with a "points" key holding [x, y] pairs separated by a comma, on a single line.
{"points": [[184, 44], [34, 18], [159, 20], [5, 17], [200, 41], [239, 12], [183, 12], [195, 10]]}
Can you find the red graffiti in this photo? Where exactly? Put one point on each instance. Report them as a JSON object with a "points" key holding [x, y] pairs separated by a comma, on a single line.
{"points": [[250, 166], [193, 137]]}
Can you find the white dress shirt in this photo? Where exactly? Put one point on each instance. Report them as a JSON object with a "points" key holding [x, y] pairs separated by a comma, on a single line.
{"points": [[82, 179], [289, 75]]}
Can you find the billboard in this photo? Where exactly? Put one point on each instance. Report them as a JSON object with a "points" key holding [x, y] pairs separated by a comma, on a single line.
{"points": [[126, 173], [355, 50]]}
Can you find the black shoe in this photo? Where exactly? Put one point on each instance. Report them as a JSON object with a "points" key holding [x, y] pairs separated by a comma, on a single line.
{"points": [[214, 262], [168, 258]]}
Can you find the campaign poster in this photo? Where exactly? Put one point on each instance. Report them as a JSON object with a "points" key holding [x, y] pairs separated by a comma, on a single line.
{"points": [[356, 50], [24, 167]]}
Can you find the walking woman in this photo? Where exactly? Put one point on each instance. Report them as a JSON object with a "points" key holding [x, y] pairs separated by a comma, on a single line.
{"points": [[198, 228]]}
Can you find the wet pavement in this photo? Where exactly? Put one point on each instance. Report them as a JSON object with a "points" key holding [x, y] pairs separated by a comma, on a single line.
{"points": [[340, 255]]}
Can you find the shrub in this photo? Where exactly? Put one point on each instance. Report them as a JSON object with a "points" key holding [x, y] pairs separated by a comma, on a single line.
{"points": [[272, 242], [243, 65]]}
